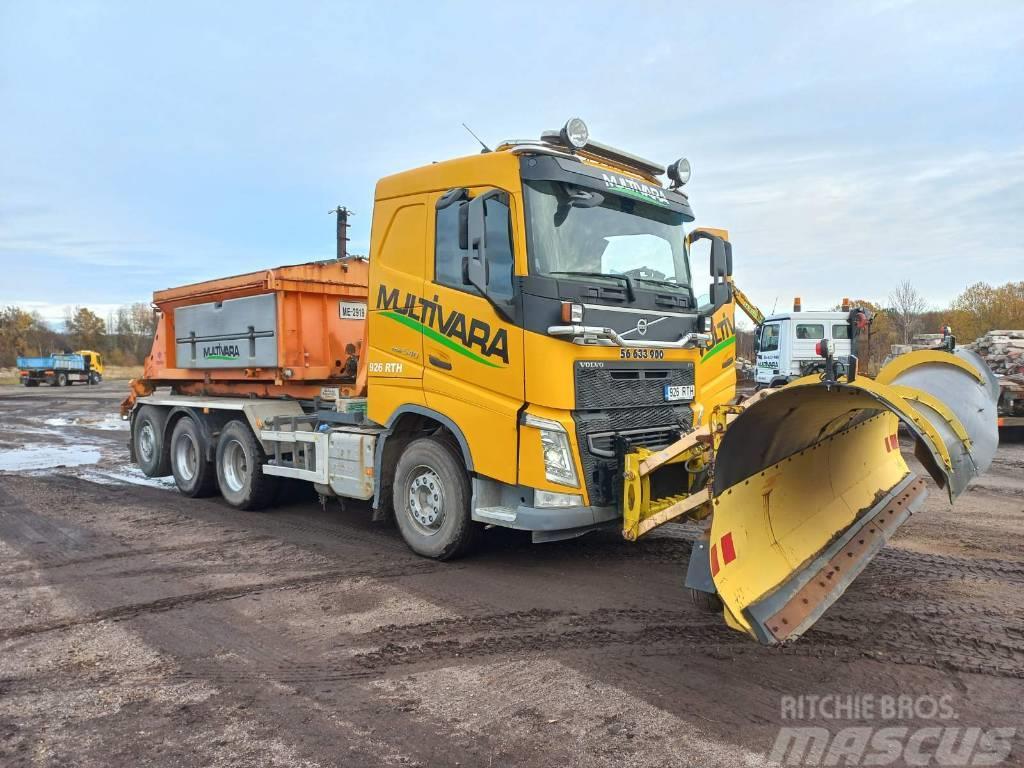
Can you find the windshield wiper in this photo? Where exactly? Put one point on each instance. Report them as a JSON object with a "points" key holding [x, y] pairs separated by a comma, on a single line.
{"points": [[630, 293], [669, 283]]}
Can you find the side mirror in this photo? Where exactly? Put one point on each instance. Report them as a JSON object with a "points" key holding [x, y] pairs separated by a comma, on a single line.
{"points": [[721, 258], [485, 258], [464, 229], [720, 295], [476, 235], [720, 268]]}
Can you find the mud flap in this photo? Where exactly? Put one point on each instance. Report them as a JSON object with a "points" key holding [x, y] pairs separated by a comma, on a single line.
{"points": [[809, 482]]}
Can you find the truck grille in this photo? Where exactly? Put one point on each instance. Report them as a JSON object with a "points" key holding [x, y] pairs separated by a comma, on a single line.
{"points": [[653, 427], [606, 385], [655, 438]]}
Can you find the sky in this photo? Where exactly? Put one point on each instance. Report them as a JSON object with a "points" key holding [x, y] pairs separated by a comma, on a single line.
{"points": [[845, 146]]}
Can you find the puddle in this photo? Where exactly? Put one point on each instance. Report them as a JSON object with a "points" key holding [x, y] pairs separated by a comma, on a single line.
{"points": [[129, 475], [110, 422], [47, 457]]}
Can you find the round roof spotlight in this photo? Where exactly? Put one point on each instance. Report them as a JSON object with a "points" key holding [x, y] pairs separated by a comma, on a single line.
{"points": [[575, 134], [679, 172]]}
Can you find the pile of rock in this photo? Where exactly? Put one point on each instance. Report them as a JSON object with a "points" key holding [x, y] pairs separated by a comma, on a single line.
{"points": [[744, 368], [1002, 350], [919, 341]]}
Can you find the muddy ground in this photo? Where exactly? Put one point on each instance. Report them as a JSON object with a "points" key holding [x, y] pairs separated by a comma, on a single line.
{"points": [[141, 628]]}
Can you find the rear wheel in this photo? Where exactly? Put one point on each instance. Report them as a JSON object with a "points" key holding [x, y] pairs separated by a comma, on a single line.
{"points": [[240, 460], [62, 380], [193, 474], [152, 451], [431, 500]]}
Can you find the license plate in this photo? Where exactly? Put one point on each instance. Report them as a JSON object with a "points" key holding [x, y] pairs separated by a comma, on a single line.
{"points": [[679, 391]]}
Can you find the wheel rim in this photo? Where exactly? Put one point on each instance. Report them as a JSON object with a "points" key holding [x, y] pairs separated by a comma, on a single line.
{"points": [[147, 442], [235, 466], [426, 500], [186, 457]]}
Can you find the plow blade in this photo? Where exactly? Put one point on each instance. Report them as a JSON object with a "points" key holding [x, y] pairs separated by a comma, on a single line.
{"points": [[809, 483]]}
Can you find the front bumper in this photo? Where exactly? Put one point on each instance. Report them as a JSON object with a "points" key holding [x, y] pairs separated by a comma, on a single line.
{"points": [[508, 506]]}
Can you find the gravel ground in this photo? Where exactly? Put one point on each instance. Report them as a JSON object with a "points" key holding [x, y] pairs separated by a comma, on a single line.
{"points": [[142, 628]]}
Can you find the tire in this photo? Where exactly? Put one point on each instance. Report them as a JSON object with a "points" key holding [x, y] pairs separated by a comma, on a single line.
{"points": [[193, 474], [152, 449], [431, 498], [240, 460], [706, 601], [62, 380], [95, 378]]}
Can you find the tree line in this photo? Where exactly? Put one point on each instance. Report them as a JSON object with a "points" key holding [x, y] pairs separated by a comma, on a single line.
{"points": [[124, 337], [980, 308]]}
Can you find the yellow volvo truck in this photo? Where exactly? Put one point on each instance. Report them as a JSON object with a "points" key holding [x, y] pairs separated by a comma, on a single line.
{"points": [[528, 347]]}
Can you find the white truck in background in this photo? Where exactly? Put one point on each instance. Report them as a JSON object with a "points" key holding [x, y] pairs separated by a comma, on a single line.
{"points": [[786, 344]]}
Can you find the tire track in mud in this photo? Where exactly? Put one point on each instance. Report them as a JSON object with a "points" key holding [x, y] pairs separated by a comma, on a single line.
{"points": [[893, 563], [270, 523], [132, 610], [950, 653], [54, 561]]}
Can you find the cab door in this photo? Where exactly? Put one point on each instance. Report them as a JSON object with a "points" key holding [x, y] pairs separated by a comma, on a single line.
{"points": [[398, 259], [473, 368], [768, 354]]}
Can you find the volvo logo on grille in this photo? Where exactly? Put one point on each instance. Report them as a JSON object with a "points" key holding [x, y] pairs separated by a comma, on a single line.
{"points": [[641, 326]]}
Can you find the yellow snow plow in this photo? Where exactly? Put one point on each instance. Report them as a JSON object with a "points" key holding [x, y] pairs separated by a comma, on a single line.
{"points": [[799, 487]]}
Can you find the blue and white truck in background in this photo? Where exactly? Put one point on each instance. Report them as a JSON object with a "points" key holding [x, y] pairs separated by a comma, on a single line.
{"points": [[62, 369]]}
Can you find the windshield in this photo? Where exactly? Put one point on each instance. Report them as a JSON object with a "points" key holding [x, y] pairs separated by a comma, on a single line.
{"points": [[619, 236]]}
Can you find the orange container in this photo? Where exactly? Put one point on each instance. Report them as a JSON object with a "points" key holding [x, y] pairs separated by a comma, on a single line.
{"points": [[285, 331]]}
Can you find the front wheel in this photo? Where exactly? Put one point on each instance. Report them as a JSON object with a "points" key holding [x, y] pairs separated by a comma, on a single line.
{"points": [[431, 500], [240, 460], [95, 378], [705, 601]]}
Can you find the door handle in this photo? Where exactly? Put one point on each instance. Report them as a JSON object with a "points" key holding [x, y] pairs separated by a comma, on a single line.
{"points": [[439, 363]]}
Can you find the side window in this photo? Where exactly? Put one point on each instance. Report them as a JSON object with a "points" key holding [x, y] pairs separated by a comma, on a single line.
{"points": [[447, 253], [810, 331], [841, 331], [770, 337]]}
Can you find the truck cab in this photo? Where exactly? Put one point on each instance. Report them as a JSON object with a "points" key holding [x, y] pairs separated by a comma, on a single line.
{"points": [[537, 303], [786, 344], [93, 365]]}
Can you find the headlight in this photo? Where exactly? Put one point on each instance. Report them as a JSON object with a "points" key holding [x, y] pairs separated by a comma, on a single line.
{"points": [[554, 444], [575, 133], [679, 172]]}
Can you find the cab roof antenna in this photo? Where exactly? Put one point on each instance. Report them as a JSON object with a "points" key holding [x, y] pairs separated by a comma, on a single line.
{"points": [[486, 148]]}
